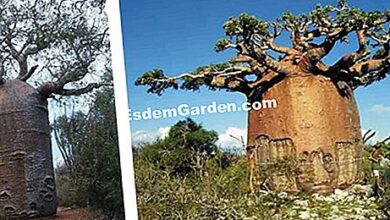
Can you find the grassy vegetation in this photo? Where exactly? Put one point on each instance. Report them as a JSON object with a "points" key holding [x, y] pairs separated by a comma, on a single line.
{"points": [[215, 186], [90, 176], [211, 185], [220, 193]]}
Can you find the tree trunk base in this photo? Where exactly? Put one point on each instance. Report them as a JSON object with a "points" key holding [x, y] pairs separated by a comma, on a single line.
{"points": [[27, 187], [311, 142]]}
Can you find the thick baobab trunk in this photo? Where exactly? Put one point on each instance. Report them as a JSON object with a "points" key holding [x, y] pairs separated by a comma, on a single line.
{"points": [[26, 170], [310, 142]]}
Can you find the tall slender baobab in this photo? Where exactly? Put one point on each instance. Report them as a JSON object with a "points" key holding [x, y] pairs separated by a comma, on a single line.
{"points": [[48, 48], [316, 124]]}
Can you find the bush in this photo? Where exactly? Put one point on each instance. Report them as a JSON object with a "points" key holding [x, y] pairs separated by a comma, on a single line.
{"points": [[221, 190], [385, 203], [218, 194], [91, 176], [184, 150], [216, 188]]}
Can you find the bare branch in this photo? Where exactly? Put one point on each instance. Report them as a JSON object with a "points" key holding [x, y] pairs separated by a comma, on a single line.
{"points": [[281, 49], [228, 77], [367, 72], [257, 68], [270, 63], [232, 71], [351, 59], [367, 67], [29, 73], [62, 146], [76, 92], [320, 51]]}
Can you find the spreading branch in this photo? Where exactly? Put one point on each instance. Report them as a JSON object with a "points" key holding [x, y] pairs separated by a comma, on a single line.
{"points": [[68, 39], [222, 76], [313, 36], [76, 92]]}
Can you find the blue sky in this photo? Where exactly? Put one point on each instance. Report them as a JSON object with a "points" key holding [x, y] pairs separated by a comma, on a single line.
{"points": [[179, 35]]}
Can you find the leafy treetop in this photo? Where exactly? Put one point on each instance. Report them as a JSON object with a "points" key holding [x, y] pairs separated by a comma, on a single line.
{"points": [[60, 46], [185, 149], [254, 67]]}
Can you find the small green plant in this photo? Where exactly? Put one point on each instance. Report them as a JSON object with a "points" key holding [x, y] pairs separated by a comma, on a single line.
{"points": [[377, 156]]}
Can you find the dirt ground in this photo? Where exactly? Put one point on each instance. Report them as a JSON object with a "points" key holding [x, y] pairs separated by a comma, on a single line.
{"points": [[73, 214]]}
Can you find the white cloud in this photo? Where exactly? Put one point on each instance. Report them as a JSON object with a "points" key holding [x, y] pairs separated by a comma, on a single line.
{"points": [[380, 109], [228, 138], [163, 132], [149, 136]]}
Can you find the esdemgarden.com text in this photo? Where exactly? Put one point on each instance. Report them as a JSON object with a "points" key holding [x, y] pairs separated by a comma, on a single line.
{"points": [[186, 110]]}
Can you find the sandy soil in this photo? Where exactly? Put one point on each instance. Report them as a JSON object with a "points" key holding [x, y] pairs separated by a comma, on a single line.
{"points": [[72, 214]]}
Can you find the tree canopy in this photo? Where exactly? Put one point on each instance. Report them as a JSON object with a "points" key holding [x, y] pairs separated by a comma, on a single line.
{"points": [[185, 149], [91, 173], [61, 46], [260, 61]]}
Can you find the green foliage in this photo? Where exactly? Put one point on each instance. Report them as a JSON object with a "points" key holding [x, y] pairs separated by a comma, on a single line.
{"points": [[94, 177], [158, 82], [216, 188], [385, 203], [65, 35], [368, 165], [244, 26], [221, 190], [69, 195], [152, 78], [219, 193], [255, 38], [192, 84], [222, 44], [184, 150], [385, 200]]}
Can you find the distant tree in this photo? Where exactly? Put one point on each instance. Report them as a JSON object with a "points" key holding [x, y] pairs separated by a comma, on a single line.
{"points": [[185, 149], [48, 49], [89, 145]]}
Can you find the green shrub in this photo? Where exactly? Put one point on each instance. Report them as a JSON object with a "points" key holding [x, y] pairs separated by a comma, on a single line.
{"points": [[91, 175], [221, 190], [385, 203], [218, 194], [68, 192], [184, 150]]}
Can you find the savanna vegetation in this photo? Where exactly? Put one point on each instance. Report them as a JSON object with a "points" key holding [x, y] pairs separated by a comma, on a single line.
{"points": [[187, 176], [90, 176], [285, 59]]}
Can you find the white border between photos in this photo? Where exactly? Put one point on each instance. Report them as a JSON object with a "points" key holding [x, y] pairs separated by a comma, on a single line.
{"points": [[121, 102]]}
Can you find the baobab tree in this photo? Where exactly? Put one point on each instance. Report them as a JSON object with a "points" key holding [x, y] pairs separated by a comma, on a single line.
{"points": [[316, 125], [48, 49]]}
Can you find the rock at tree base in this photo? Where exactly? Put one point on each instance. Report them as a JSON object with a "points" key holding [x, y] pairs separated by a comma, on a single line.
{"points": [[27, 187]]}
